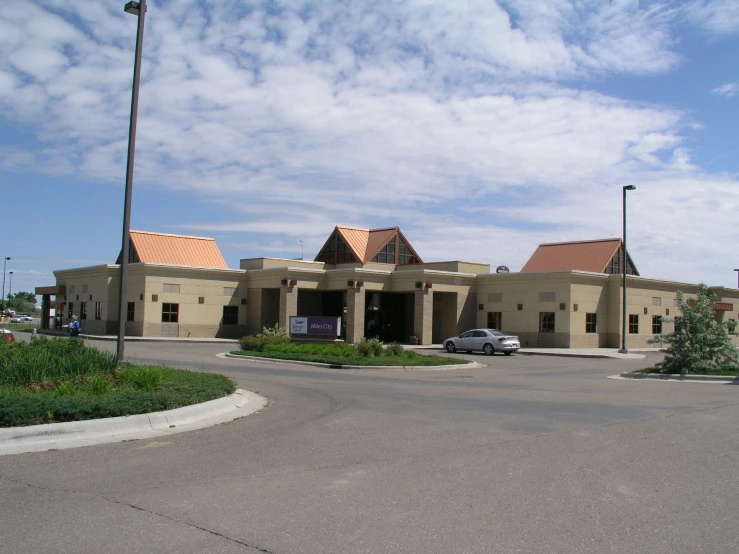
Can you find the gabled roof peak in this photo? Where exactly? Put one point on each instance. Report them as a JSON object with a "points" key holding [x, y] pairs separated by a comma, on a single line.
{"points": [[171, 235], [580, 242], [169, 249]]}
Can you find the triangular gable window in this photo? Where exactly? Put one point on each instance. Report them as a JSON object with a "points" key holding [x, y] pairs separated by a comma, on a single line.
{"points": [[387, 254], [614, 268], [395, 249], [133, 257], [336, 252]]}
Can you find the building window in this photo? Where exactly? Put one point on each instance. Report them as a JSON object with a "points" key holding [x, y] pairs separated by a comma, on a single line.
{"points": [[547, 297], [495, 320], [656, 300], [170, 312], [633, 324], [130, 311], [387, 254], [83, 310], [98, 311], [656, 324], [546, 322], [70, 311], [615, 266], [71, 289], [84, 289], [170, 287], [591, 325], [405, 256], [230, 315]]}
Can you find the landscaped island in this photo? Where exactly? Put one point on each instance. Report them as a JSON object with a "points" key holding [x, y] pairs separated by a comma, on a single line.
{"points": [[55, 380], [274, 343]]}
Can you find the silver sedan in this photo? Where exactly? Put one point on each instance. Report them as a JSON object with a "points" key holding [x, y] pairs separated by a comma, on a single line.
{"points": [[487, 340]]}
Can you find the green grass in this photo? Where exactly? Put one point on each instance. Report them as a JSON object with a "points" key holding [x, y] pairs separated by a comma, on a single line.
{"points": [[57, 380], [723, 372], [126, 393], [346, 354]]}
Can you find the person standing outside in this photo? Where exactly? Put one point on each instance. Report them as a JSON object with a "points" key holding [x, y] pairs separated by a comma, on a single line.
{"points": [[73, 327]]}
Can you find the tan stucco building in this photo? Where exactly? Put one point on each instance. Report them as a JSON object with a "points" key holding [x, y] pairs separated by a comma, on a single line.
{"points": [[568, 295]]}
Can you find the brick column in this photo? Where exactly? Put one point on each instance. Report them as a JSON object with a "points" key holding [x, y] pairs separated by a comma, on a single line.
{"points": [[288, 305], [355, 308], [253, 311], [423, 315], [467, 312]]}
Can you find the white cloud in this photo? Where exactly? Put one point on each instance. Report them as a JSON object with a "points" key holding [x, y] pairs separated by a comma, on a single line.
{"points": [[729, 89], [716, 16], [454, 120]]}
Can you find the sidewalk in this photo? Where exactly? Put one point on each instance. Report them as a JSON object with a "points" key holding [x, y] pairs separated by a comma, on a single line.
{"points": [[613, 353], [62, 333]]}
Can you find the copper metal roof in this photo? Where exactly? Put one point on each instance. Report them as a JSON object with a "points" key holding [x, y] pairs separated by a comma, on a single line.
{"points": [[587, 255], [182, 250], [366, 243]]}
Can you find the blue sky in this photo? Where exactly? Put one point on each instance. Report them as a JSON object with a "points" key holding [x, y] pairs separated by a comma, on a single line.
{"points": [[481, 128]]}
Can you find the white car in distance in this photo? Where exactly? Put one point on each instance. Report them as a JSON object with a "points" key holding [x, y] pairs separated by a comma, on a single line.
{"points": [[488, 341]]}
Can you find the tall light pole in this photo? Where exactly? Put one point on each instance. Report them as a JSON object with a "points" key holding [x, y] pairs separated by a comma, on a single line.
{"points": [[10, 285], [137, 9], [5, 262], [625, 316]]}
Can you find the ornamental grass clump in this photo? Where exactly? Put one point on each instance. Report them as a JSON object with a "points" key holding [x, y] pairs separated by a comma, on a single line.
{"points": [[45, 359], [699, 344]]}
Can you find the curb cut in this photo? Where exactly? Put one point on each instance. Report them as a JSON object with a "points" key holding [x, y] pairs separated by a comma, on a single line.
{"points": [[470, 365], [720, 379], [72, 434]]}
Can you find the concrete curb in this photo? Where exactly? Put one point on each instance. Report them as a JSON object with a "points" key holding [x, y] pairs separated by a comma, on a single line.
{"points": [[469, 365], [583, 355], [719, 379], [57, 436]]}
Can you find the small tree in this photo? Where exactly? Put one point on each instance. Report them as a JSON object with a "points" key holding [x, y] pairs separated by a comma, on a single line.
{"points": [[700, 344]]}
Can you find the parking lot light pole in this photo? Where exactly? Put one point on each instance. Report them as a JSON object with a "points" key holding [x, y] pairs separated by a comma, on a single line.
{"points": [[10, 284], [5, 263], [623, 272], [138, 9]]}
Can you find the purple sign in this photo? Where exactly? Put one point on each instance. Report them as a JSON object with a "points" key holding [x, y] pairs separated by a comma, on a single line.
{"points": [[330, 326]]}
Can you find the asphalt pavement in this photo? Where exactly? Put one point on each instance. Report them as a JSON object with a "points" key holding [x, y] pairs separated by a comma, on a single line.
{"points": [[525, 454]]}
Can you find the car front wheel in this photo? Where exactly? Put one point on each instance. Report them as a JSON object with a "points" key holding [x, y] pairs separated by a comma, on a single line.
{"points": [[450, 347], [488, 349]]}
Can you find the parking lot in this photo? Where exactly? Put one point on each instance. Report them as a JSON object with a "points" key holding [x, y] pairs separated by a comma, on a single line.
{"points": [[523, 454]]}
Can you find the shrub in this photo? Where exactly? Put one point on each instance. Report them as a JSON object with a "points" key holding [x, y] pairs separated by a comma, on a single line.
{"points": [[369, 348], [252, 343], [699, 344], [394, 349], [270, 335], [276, 332]]}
